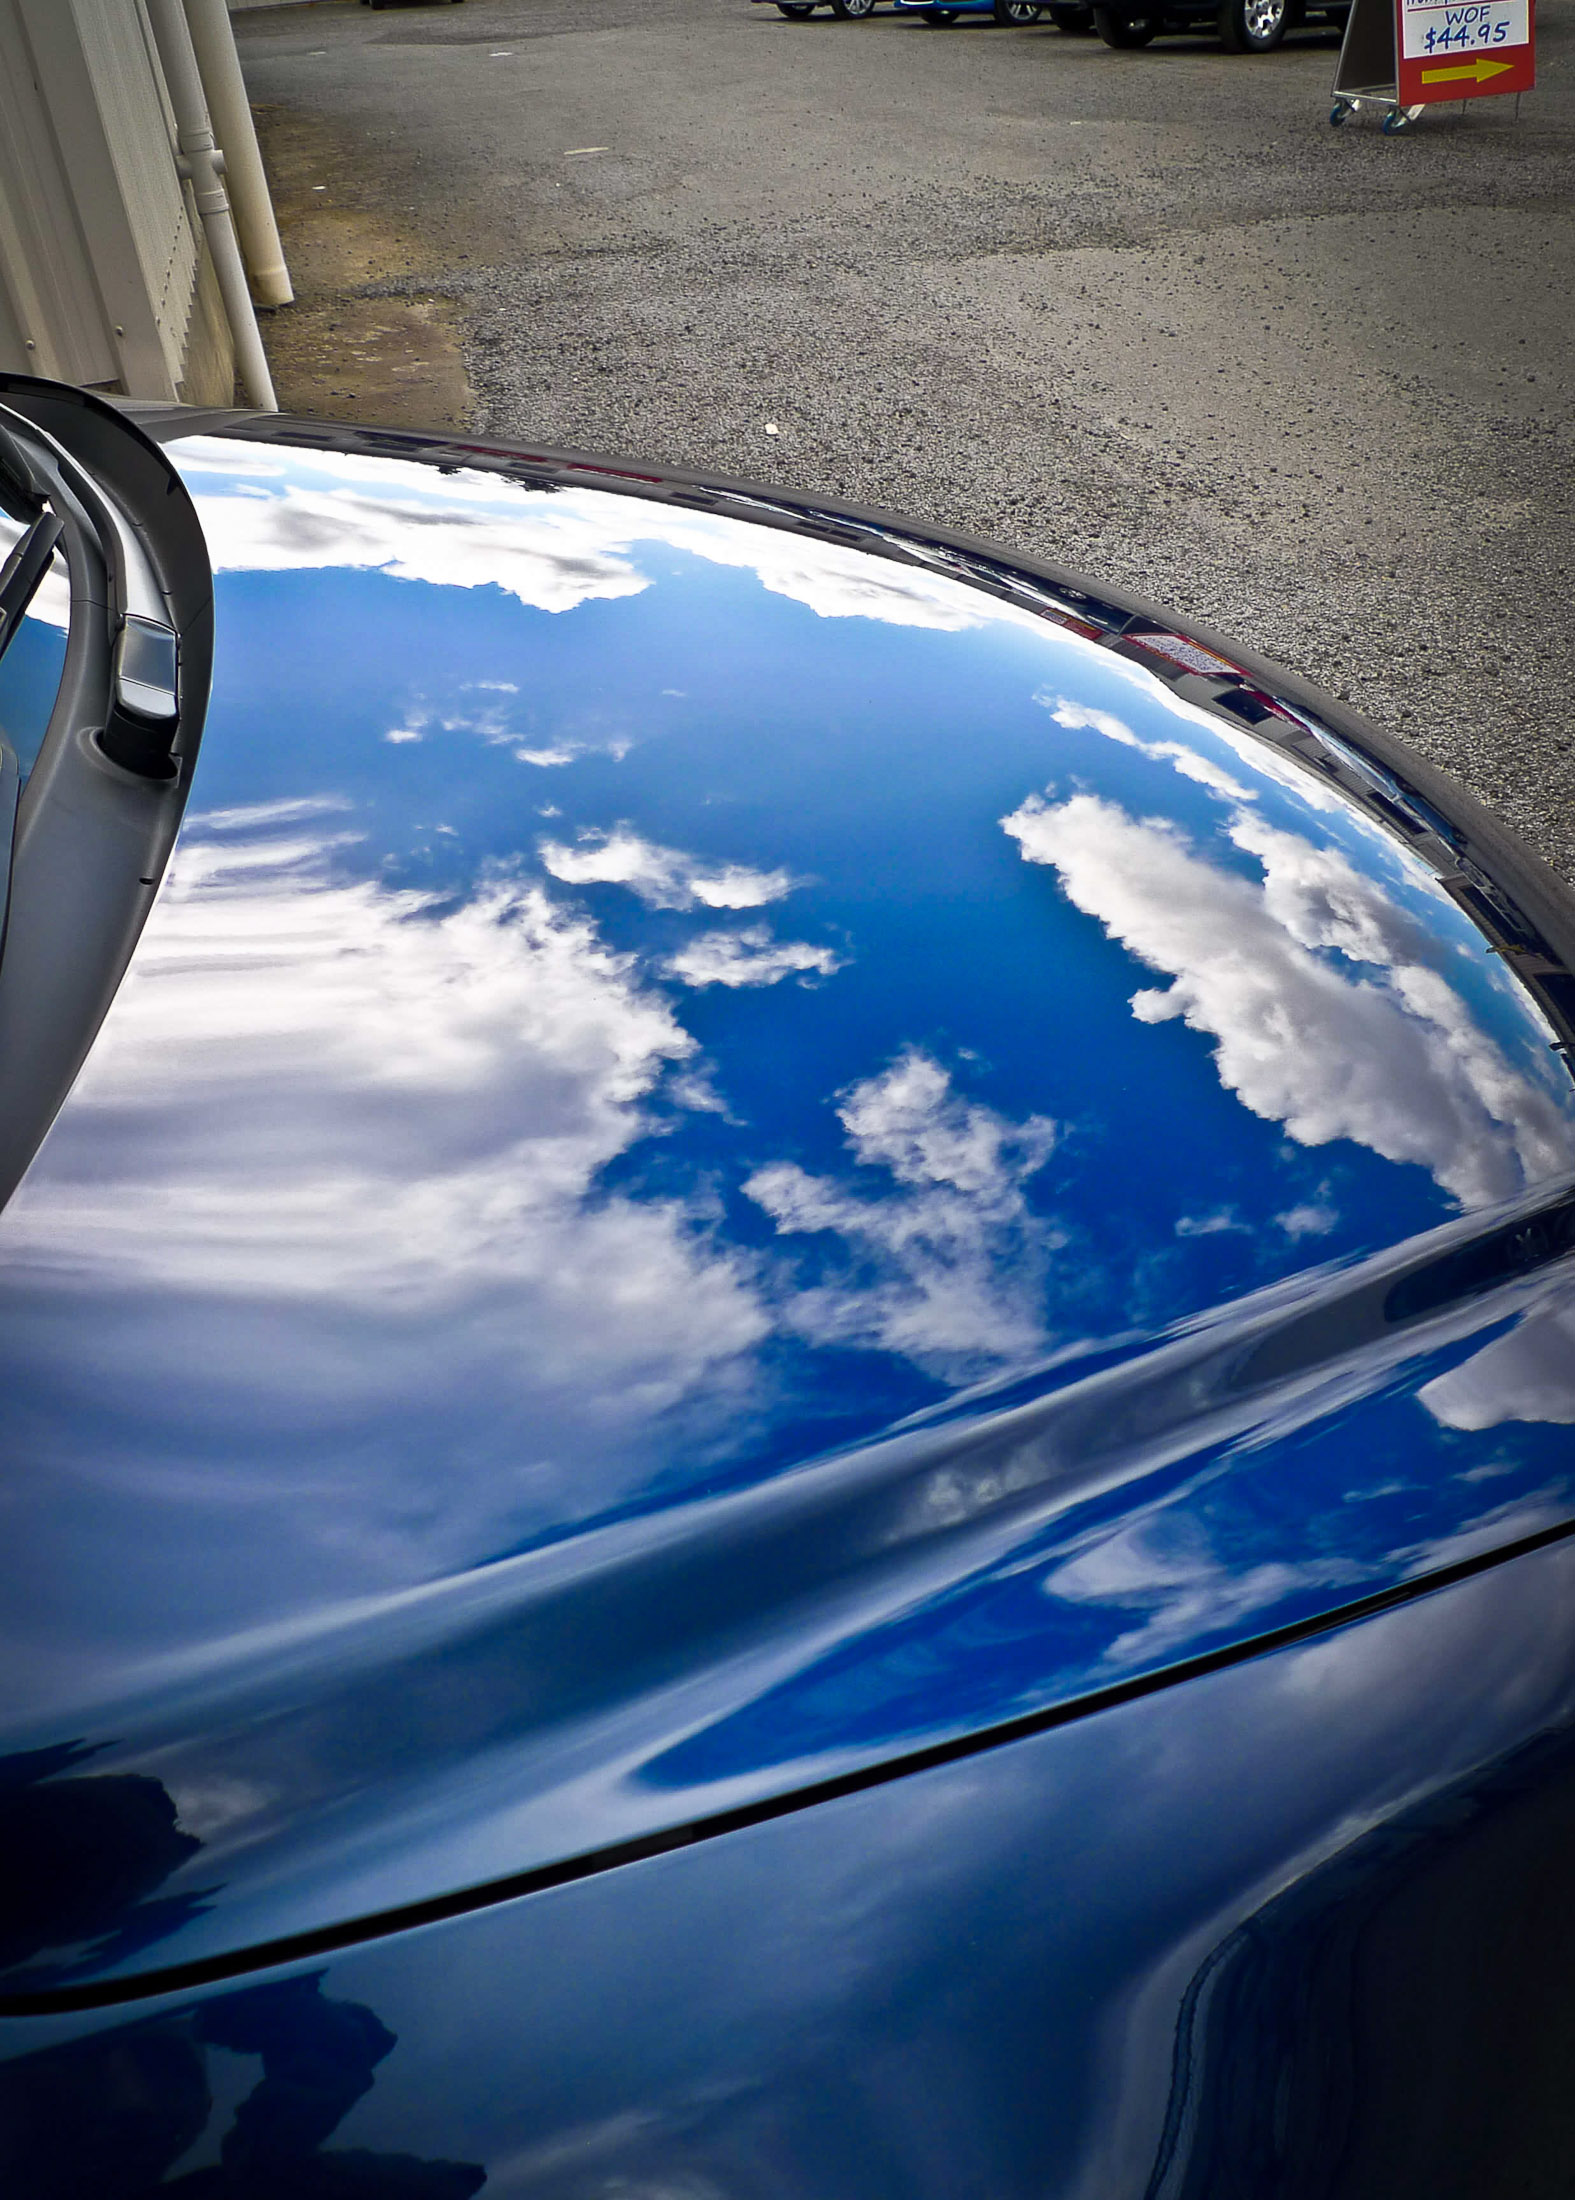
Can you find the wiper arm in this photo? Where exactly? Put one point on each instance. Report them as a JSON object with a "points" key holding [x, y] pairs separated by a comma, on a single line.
{"points": [[99, 814], [22, 572], [131, 687]]}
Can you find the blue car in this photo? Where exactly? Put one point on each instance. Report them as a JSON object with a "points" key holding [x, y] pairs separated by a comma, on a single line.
{"points": [[1008, 13], [799, 10], [788, 1363], [1070, 16]]}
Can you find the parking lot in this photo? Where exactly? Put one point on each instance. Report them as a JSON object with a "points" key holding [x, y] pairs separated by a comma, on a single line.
{"points": [[1143, 312]]}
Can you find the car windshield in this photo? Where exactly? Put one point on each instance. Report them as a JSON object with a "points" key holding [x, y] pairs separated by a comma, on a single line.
{"points": [[32, 664]]}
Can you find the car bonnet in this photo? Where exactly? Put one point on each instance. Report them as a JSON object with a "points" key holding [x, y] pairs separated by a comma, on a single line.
{"points": [[744, 1144]]}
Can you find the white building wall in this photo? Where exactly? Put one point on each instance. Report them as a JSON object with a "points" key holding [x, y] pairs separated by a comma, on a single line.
{"points": [[101, 254], [139, 135], [47, 292]]}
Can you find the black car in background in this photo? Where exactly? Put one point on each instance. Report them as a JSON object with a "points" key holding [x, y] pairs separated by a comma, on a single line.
{"points": [[1245, 26]]}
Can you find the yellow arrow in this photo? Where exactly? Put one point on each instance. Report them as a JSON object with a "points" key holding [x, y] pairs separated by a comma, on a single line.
{"points": [[1480, 70]]}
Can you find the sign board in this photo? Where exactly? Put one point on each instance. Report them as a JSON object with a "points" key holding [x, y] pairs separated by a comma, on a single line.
{"points": [[1462, 49]]}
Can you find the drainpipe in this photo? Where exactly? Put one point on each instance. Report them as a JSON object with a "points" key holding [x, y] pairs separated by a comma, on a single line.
{"points": [[202, 164], [214, 40]]}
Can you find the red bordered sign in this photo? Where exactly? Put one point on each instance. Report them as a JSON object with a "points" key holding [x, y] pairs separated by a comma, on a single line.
{"points": [[1462, 49]]}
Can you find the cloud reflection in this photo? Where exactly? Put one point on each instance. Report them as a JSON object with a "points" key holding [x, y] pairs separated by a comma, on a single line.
{"points": [[833, 580], [1184, 756], [949, 1268], [466, 529], [751, 957], [663, 878], [550, 558], [492, 721], [1526, 1375], [1392, 1058], [1163, 1567], [393, 1105]]}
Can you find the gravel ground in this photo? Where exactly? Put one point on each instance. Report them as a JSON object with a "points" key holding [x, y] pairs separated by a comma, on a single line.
{"points": [[1143, 313]]}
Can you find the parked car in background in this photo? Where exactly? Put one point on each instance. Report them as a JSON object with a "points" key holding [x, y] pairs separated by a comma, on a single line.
{"points": [[1009, 13], [799, 10], [1072, 16], [787, 1347], [1244, 26]]}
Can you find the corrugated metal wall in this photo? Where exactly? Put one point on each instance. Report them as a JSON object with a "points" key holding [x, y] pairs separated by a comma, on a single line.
{"points": [[139, 132], [46, 279], [100, 249]]}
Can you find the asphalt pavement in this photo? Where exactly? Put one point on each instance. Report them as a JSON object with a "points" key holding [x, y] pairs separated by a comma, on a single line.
{"points": [[1144, 313]]}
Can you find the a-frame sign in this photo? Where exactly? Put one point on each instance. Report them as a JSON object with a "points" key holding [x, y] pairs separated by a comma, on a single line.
{"points": [[1461, 49], [1404, 55]]}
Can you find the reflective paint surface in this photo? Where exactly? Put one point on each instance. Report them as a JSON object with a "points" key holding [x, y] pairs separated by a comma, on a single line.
{"points": [[1301, 1930], [726, 1156]]}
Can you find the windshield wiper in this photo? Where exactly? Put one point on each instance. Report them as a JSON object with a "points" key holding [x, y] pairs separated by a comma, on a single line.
{"points": [[98, 815], [22, 572]]}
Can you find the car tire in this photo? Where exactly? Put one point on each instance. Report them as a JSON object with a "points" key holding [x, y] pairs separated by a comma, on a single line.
{"points": [[1017, 14], [1126, 26], [1253, 26], [853, 10], [796, 10], [1072, 18]]}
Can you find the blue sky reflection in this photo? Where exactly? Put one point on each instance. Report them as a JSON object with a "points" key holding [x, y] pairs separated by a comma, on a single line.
{"points": [[641, 1000]]}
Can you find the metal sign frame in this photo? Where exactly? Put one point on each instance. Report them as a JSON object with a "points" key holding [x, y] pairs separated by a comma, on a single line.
{"points": [[1400, 56]]}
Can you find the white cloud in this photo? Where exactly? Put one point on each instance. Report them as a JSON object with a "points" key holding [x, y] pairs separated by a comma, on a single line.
{"points": [[1185, 757], [1313, 1218], [253, 818], [1260, 759], [394, 1108], [1393, 1058], [834, 580], [548, 555], [1526, 1375], [468, 528], [1163, 1567], [1221, 1219], [750, 957], [909, 1121], [214, 455], [948, 1269], [1490, 1531], [1322, 900], [492, 722], [664, 878], [570, 752]]}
